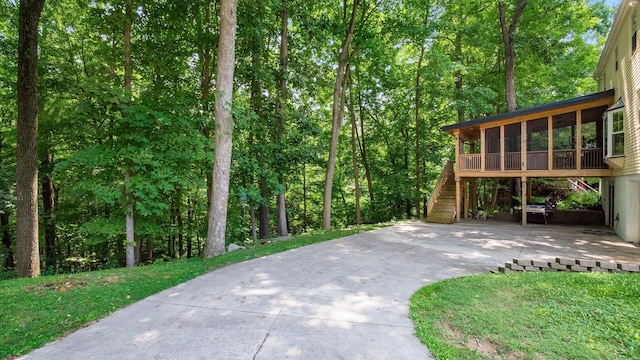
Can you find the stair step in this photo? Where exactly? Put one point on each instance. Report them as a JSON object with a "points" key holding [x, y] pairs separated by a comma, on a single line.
{"points": [[438, 221]]}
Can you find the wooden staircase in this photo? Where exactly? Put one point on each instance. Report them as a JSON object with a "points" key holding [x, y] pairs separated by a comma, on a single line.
{"points": [[580, 186], [441, 208]]}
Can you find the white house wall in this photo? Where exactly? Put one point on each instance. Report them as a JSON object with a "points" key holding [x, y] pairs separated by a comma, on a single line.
{"points": [[626, 206], [626, 82]]}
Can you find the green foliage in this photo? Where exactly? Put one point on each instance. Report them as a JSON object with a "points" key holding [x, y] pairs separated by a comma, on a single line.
{"points": [[91, 131], [580, 200], [37, 311], [539, 200], [530, 316]]}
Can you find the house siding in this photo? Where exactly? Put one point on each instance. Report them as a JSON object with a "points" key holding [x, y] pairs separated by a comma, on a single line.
{"points": [[626, 206], [626, 83], [629, 85]]}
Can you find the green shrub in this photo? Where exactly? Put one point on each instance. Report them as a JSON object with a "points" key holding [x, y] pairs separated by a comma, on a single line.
{"points": [[7, 273], [580, 201]]}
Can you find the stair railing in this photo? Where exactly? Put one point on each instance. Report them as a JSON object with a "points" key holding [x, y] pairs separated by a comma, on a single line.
{"points": [[579, 185], [448, 169]]}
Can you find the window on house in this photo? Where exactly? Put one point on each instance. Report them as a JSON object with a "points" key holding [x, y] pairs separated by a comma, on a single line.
{"points": [[614, 133]]}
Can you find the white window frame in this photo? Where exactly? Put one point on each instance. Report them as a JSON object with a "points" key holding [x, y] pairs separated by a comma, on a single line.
{"points": [[610, 134]]}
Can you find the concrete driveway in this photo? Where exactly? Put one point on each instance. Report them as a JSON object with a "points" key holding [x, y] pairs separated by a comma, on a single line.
{"points": [[342, 299]]}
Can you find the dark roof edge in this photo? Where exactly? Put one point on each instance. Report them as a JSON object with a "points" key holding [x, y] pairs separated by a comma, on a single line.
{"points": [[531, 110]]}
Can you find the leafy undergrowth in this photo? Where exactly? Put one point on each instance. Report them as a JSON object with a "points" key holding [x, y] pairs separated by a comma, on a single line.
{"points": [[37, 311], [531, 316]]}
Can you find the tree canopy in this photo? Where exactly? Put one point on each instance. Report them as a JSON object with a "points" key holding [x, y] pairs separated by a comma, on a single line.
{"points": [[106, 150]]}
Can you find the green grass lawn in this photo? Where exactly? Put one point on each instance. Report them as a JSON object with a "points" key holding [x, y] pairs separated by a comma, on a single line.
{"points": [[531, 316], [36, 311]]}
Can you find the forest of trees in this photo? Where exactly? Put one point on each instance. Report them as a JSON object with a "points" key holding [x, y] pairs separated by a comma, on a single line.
{"points": [[335, 120]]}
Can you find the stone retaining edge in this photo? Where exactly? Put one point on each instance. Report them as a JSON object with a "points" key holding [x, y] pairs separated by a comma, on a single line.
{"points": [[568, 265]]}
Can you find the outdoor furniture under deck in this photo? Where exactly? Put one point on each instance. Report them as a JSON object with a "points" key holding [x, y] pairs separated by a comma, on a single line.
{"points": [[535, 209]]}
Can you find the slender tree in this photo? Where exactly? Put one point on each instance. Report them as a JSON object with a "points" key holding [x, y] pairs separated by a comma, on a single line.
{"points": [[336, 116], [354, 151], [48, 205], [257, 46], [27, 254], [224, 130], [281, 112], [418, 133], [508, 38], [129, 223], [363, 153]]}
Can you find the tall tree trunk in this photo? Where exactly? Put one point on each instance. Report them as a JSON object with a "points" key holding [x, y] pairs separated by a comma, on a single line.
{"points": [[217, 223], [355, 170], [48, 205], [305, 222], [177, 205], [405, 135], [129, 224], [256, 104], [354, 160], [190, 229], [263, 209], [363, 153], [171, 240], [494, 196], [180, 232], [283, 229], [252, 220], [252, 210], [137, 249], [418, 195], [336, 118], [458, 77], [508, 38], [149, 250], [27, 251]]}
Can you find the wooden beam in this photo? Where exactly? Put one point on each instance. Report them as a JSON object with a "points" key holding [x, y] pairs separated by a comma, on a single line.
{"points": [[523, 201], [483, 150], [523, 146], [579, 140], [457, 200], [465, 199], [502, 148], [550, 143], [536, 173], [473, 196], [457, 167]]}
